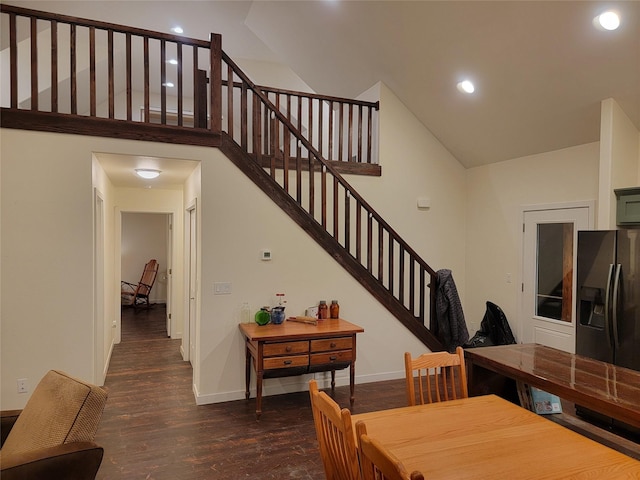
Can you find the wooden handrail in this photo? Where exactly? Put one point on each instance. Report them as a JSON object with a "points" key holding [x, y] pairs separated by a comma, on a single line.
{"points": [[84, 22], [328, 98]]}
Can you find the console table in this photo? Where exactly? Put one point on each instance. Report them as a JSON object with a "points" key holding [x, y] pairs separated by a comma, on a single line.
{"points": [[293, 348], [605, 388]]}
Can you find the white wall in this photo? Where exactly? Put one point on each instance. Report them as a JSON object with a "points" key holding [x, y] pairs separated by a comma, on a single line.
{"points": [[47, 251], [496, 194], [47, 260], [144, 236], [619, 163]]}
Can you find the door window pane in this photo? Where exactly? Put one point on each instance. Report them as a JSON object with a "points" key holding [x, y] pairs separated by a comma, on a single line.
{"points": [[554, 271]]}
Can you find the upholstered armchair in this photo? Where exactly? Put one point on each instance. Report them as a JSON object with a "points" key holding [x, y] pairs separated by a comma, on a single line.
{"points": [[52, 437]]}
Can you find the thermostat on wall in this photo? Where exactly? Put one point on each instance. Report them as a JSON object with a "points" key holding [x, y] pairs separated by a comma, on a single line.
{"points": [[424, 203], [265, 255]]}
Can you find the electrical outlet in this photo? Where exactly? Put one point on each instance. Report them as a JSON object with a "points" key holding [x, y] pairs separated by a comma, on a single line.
{"points": [[23, 386]]}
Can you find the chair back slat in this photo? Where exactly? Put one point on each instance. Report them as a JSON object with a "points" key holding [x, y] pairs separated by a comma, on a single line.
{"points": [[435, 377]]}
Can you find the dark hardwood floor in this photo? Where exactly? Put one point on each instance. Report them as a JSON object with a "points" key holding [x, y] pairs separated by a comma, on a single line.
{"points": [[152, 429]]}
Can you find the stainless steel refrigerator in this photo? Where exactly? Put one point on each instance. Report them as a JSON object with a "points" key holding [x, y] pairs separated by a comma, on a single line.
{"points": [[608, 290]]}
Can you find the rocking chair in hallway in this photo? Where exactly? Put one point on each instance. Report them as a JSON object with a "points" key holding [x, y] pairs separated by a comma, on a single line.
{"points": [[137, 295]]}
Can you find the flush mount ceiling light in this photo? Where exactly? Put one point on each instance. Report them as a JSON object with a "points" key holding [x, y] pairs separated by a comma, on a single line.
{"points": [[147, 173], [466, 86], [177, 29], [609, 20]]}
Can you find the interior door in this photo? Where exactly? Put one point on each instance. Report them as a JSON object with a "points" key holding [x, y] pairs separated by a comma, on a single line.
{"points": [[101, 327], [192, 283], [169, 273], [549, 275]]}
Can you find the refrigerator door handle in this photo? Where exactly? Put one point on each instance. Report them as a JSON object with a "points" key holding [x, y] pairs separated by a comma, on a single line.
{"points": [[614, 310], [607, 307]]}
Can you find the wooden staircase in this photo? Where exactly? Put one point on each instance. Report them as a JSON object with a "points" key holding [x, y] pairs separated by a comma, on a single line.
{"points": [[292, 145]]}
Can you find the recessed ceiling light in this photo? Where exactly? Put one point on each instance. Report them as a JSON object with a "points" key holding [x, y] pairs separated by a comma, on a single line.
{"points": [[147, 173], [466, 86], [173, 61], [168, 84], [177, 29], [608, 20]]}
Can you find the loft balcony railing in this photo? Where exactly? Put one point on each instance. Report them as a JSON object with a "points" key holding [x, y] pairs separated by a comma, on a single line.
{"points": [[69, 66], [66, 74]]}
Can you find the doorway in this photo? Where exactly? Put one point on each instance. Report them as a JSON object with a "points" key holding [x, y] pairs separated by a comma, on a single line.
{"points": [[145, 236], [548, 273]]}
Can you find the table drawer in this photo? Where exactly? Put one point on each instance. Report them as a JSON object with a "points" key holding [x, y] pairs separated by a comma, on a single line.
{"points": [[328, 344], [328, 358], [286, 362], [284, 348]]}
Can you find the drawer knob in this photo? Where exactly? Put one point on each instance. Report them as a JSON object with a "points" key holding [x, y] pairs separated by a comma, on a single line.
{"points": [[288, 349], [287, 362], [333, 358], [332, 344]]}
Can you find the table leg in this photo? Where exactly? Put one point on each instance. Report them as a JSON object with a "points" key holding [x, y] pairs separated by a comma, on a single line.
{"points": [[333, 381], [352, 382], [247, 372], [258, 394]]}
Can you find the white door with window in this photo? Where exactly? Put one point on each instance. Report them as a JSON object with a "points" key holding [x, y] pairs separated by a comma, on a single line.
{"points": [[548, 273]]}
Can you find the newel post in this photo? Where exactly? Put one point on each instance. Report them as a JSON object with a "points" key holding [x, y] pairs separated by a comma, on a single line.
{"points": [[215, 83]]}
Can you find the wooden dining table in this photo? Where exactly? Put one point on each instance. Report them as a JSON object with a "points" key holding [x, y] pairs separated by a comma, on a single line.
{"points": [[487, 437]]}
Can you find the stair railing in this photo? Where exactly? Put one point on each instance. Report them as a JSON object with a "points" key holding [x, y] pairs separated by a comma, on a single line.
{"points": [[300, 170], [72, 67], [68, 65], [339, 129]]}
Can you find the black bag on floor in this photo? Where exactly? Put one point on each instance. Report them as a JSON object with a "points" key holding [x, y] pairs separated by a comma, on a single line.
{"points": [[494, 329]]}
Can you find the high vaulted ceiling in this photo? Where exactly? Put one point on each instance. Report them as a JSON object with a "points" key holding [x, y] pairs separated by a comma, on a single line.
{"points": [[541, 68]]}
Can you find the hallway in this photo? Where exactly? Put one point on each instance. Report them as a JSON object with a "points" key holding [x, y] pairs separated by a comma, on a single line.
{"points": [[152, 428]]}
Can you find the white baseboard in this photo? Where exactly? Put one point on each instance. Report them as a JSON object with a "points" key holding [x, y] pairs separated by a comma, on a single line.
{"points": [[279, 386]]}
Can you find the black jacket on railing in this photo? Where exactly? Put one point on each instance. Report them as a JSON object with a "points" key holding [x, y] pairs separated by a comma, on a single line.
{"points": [[452, 328]]}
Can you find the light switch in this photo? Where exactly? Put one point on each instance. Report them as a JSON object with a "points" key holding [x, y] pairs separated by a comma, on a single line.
{"points": [[222, 288]]}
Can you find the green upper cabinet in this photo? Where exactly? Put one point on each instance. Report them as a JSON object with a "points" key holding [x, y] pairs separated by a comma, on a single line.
{"points": [[628, 206]]}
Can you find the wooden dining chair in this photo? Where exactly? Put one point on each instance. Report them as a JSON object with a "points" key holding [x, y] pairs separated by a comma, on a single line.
{"points": [[439, 376], [335, 436], [378, 463]]}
